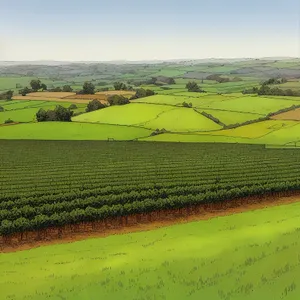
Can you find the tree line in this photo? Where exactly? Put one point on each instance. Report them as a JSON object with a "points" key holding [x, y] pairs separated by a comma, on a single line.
{"points": [[265, 89]]}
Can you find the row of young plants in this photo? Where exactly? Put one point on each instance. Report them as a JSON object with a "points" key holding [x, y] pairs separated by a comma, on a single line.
{"points": [[127, 191], [124, 177], [78, 215], [65, 191]]}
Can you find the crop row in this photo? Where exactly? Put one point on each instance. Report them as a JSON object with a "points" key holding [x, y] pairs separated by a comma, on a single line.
{"points": [[39, 219]]}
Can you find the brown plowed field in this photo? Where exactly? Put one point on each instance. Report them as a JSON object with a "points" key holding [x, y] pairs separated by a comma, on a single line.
{"points": [[87, 98], [70, 100], [142, 222], [71, 97], [293, 115], [51, 94]]}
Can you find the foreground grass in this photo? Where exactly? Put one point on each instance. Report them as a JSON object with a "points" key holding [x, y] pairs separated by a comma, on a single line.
{"points": [[252, 255]]}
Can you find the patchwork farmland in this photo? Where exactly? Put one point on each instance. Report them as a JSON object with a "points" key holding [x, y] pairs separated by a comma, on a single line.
{"points": [[95, 184]]}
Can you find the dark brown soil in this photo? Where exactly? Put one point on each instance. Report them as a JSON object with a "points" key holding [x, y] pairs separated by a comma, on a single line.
{"points": [[141, 222]]}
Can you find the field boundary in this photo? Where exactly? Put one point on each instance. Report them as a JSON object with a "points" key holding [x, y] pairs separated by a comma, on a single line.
{"points": [[142, 222]]}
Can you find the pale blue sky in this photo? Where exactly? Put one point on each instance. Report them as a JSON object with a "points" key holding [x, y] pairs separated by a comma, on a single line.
{"points": [[139, 30]]}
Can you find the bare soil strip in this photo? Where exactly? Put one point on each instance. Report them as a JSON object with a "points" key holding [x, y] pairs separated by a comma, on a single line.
{"points": [[142, 222]]}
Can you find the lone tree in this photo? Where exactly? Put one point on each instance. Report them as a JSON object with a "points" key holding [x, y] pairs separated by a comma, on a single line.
{"points": [[35, 84], [60, 113], [88, 88], [94, 105]]}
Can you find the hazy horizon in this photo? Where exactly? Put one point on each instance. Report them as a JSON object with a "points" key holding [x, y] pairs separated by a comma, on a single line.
{"points": [[133, 31]]}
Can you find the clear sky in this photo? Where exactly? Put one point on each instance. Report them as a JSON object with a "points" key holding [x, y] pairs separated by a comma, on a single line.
{"points": [[145, 30]]}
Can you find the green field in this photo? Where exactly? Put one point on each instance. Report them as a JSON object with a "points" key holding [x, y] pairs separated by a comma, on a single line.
{"points": [[71, 131], [70, 182], [229, 117], [252, 255], [182, 120], [112, 167], [272, 132], [132, 114], [251, 104]]}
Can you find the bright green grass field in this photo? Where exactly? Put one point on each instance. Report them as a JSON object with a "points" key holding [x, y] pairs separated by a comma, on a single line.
{"points": [[131, 114], [197, 99], [272, 132], [252, 104], [252, 255], [182, 120], [71, 131], [20, 115]]}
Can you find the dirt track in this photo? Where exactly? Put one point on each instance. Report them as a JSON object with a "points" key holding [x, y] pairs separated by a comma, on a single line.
{"points": [[136, 223]]}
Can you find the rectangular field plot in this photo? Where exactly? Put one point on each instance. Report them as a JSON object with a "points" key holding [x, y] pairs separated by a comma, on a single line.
{"points": [[252, 104], [182, 120], [131, 114], [71, 131]]}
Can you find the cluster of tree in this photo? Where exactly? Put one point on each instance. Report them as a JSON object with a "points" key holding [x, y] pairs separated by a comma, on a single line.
{"points": [[87, 89], [120, 86], [94, 105], [192, 86], [220, 79], [60, 113], [6, 95], [272, 81], [65, 88], [25, 91], [36, 85], [266, 90], [188, 105], [142, 93], [28, 218], [158, 131], [117, 100]]}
